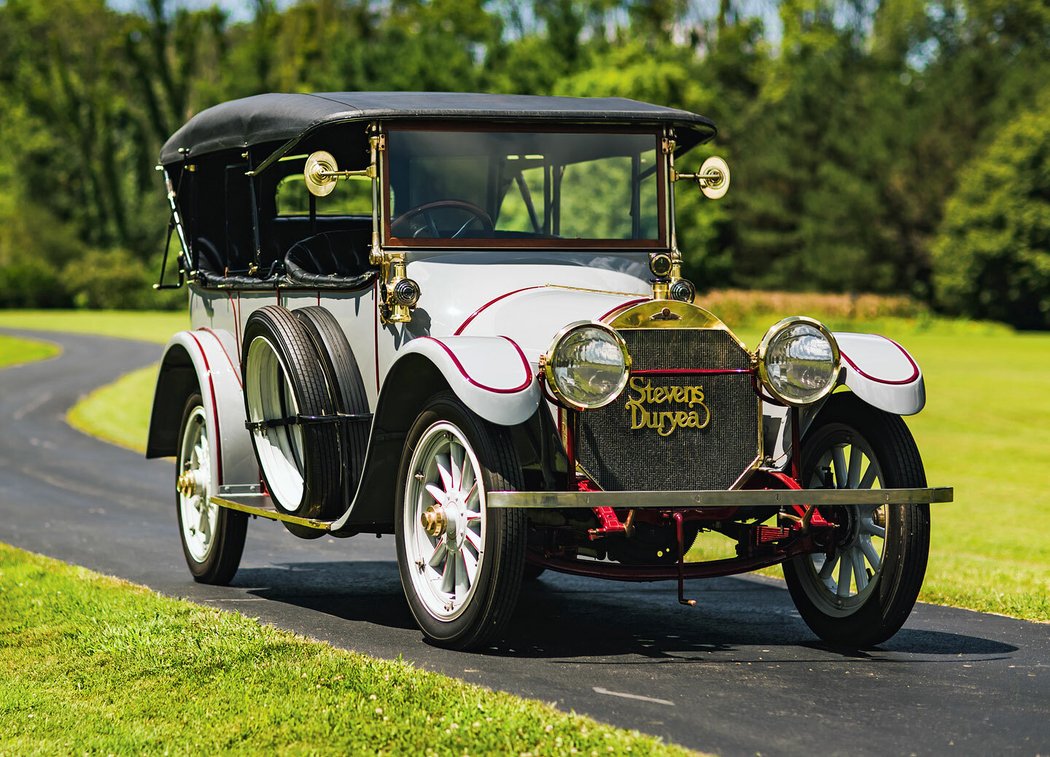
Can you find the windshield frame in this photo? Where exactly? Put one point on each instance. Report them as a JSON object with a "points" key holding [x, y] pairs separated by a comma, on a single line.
{"points": [[475, 243]]}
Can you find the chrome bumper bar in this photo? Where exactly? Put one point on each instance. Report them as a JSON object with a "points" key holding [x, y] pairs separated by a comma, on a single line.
{"points": [[719, 498]]}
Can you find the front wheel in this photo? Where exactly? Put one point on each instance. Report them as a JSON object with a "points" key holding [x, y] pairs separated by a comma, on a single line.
{"points": [[212, 536], [461, 564], [861, 590]]}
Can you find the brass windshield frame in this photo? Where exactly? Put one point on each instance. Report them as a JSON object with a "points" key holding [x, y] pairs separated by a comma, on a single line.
{"points": [[662, 242]]}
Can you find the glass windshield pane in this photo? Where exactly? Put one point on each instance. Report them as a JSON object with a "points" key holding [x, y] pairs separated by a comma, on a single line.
{"points": [[523, 187]]}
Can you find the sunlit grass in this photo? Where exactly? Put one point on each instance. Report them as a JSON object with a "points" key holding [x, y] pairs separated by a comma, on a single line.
{"points": [[147, 325], [16, 351], [118, 412], [91, 664]]}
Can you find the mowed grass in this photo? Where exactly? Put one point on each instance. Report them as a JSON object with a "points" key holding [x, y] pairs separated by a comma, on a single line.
{"points": [[146, 325], [91, 664], [986, 431], [118, 412], [17, 351]]}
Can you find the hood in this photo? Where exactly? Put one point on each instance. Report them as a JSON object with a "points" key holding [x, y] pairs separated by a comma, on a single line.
{"points": [[528, 301]]}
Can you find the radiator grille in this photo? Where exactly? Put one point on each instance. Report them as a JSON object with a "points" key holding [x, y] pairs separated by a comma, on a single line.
{"points": [[651, 438]]}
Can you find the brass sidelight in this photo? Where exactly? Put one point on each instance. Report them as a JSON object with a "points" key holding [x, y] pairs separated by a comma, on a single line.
{"points": [[669, 284], [399, 293]]}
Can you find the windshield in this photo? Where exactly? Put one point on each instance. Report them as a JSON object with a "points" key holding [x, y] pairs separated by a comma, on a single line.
{"points": [[516, 189]]}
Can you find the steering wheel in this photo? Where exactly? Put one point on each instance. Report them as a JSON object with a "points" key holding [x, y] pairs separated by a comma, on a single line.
{"points": [[426, 212]]}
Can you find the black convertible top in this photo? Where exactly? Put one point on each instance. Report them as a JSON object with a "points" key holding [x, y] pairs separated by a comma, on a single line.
{"points": [[287, 118]]}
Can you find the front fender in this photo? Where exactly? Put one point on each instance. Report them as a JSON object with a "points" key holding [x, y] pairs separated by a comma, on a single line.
{"points": [[203, 360], [490, 375], [882, 373]]}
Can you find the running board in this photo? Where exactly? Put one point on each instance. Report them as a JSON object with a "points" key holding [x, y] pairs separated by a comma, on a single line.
{"points": [[248, 499], [718, 498]]}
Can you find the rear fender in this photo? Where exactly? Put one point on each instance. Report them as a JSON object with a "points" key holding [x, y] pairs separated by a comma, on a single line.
{"points": [[203, 361]]}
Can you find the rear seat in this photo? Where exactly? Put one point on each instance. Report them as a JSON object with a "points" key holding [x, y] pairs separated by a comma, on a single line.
{"points": [[330, 259]]}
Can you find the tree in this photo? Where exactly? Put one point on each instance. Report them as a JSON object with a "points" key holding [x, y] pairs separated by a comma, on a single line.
{"points": [[992, 255]]}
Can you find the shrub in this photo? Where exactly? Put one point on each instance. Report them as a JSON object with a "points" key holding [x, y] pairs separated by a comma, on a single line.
{"points": [[31, 283], [109, 279], [992, 255]]}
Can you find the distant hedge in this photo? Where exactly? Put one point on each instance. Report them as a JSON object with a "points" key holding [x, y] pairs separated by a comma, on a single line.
{"points": [[992, 255]]}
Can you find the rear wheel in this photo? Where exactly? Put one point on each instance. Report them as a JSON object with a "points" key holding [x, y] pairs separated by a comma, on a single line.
{"points": [[861, 590], [212, 536], [461, 564]]}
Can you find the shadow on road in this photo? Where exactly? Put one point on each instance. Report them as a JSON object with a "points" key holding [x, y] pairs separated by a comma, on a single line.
{"points": [[601, 622]]}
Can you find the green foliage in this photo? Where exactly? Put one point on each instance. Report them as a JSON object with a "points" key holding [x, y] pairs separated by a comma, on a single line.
{"points": [[31, 284], [846, 128], [992, 257], [110, 279]]}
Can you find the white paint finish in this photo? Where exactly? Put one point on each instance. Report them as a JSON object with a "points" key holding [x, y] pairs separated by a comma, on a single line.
{"points": [[533, 317], [356, 313], [882, 373], [491, 377], [218, 374], [454, 286]]}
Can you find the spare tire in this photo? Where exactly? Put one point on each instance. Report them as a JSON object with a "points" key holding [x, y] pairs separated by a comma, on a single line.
{"points": [[345, 386], [290, 414]]}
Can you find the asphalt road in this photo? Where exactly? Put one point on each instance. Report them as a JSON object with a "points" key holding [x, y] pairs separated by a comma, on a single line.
{"points": [[738, 674]]}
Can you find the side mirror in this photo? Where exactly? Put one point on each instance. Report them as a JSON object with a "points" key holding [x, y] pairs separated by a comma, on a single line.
{"points": [[712, 178], [321, 173]]}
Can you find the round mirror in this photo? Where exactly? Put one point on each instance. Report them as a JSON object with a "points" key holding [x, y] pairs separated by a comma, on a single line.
{"points": [[319, 173], [713, 178]]}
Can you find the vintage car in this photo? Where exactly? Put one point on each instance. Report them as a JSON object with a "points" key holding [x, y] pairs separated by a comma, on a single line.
{"points": [[461, 319]]}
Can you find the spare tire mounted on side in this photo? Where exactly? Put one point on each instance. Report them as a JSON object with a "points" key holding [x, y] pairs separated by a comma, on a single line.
{"points": [[286, 400]]}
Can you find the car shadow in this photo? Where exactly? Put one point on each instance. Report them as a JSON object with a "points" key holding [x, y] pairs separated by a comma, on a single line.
{"points": [[602, 622]]}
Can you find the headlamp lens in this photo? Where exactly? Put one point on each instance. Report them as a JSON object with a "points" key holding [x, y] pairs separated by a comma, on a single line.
{"points": [[800, 361], [587, 366]]}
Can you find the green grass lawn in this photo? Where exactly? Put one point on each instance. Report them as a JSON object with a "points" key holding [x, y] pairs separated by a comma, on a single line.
{"points": [[147, 325], [91, 664], [118, 412], [16, 351]]}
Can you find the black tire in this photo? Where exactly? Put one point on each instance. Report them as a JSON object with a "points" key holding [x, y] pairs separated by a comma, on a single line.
{"points": [[885, 594], [300, 462], [213, 558], [345, 386], [492, 594]]}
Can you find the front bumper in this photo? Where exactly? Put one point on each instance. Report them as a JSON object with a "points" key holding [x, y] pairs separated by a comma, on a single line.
{"points": [[700, 499]]}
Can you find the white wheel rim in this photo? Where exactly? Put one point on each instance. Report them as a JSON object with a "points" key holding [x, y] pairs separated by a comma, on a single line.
{"points": [[443, 483], [199, 517], [839, 585], [279, 448]]}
